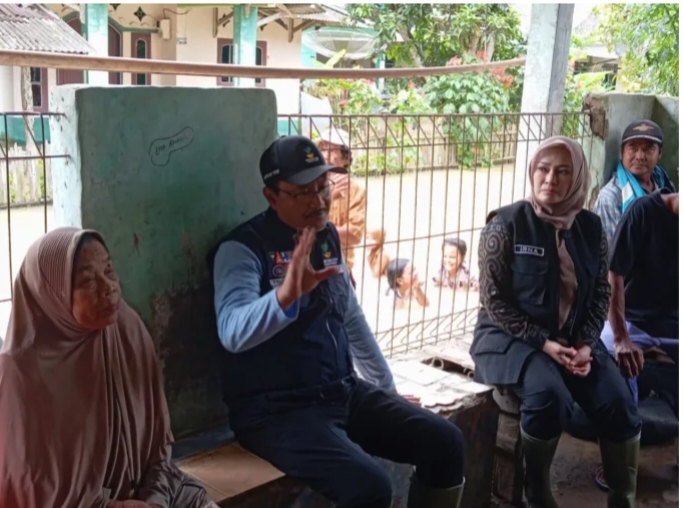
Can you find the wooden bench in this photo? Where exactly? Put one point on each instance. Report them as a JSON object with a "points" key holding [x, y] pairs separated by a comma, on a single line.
{"points": [[236, 478], [508, 467]]}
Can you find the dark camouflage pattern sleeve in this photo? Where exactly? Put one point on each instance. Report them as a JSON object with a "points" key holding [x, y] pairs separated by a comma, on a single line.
{"points": [[494, 257], [590, 331]]}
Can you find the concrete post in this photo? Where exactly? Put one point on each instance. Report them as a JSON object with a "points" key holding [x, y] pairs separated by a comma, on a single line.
{"points": [[380, 64], [95, 24], [244, 39], [548, 50]]}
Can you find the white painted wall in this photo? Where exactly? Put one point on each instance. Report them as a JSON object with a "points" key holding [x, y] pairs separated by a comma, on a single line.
{"points": [[195, 25], [6, 88], [16, 93]]}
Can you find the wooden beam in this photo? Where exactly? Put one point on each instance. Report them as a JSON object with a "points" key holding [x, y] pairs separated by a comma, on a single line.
{"points": [[214, 22], [290, 30], [281, 23], [284, 8], [144, 66], [273, 17], [223, 20]]}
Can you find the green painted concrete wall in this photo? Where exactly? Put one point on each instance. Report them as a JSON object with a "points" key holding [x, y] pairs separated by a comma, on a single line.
{"points": [[164, 173], [610, 114]]}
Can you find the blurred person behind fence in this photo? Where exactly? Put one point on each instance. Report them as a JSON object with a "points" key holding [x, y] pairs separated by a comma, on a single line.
{"points": [[348, 208]]}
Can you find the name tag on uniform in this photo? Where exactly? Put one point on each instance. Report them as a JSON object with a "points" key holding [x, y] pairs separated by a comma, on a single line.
{"points": [[529, 250]]}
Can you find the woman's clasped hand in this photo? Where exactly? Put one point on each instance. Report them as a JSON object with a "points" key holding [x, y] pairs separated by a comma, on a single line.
{"points": [[577, 361]]}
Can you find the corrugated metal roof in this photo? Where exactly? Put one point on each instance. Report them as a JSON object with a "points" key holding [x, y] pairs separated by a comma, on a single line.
{"points": [[324, 14], [35, 28]]}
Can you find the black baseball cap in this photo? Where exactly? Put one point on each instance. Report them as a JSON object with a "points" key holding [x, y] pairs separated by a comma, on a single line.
{"points": [[643, 129], [294, 159]]}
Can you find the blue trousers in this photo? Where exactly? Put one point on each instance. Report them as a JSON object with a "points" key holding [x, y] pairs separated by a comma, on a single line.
{"points": [[547, 393], [331, 447]]}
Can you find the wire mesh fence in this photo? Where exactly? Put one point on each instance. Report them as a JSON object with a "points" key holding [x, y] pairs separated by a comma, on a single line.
{"points": [[430, 181], [25, 192]]}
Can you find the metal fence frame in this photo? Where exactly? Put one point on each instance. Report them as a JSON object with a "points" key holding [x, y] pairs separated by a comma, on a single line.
{"points": [[435, 143], [373, 133]]}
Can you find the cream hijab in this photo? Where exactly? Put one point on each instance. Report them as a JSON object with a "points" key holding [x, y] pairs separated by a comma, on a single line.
{"points": [[562, 214], [80, 411]]}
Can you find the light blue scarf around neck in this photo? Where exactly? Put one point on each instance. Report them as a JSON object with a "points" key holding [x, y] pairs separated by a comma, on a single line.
{"points": [[632, 189]]}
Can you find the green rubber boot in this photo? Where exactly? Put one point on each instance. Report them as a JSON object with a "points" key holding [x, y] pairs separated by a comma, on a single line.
{"points": [[620, 463], [423, 496], [538, 458]]}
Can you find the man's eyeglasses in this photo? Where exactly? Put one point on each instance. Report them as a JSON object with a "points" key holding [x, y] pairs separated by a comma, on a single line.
{"points": [[303, 196]]}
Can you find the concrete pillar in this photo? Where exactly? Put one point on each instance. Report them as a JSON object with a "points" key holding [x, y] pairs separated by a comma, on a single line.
{"points": [[380, 64], [548, 50], [175, 178], [245, 39], [95, 21]]}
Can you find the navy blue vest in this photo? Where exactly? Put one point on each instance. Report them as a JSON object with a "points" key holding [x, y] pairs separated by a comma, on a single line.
{"points": [[309, 356], [535, 287]]}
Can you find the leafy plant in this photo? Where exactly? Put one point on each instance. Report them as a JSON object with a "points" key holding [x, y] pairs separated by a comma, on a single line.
{"points": [[647, 36], [577, 86], [471, 94], [420, 35]]}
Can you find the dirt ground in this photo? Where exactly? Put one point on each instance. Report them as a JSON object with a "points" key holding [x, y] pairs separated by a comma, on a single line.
{"points": [[574, 486]]}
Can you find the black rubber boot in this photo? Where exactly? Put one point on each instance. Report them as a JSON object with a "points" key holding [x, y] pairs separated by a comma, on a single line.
{"points": [[538, 458], [620, 464], [424, 496]]}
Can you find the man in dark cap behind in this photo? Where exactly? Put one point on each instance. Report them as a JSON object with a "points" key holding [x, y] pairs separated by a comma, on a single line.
{"points": [[637, 173], [294, 331]]}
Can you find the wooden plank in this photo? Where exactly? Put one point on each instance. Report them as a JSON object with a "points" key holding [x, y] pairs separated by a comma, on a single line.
{"points": [[156, 66], [229, 470], [479, 425]]}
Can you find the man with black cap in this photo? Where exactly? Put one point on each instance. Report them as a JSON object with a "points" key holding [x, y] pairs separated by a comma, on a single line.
{"points": [[294, 331], [637, 173]]}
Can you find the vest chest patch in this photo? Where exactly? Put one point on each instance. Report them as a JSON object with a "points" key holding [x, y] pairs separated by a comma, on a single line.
{"points": [[329, 257], [280, 261], [529, 250]]}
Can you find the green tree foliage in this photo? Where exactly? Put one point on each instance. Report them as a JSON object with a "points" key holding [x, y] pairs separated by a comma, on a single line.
{"points": [[433, 34], [649, 36]]}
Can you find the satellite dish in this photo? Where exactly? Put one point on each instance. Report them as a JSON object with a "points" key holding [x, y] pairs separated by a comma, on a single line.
{"points": [[358, 43]]}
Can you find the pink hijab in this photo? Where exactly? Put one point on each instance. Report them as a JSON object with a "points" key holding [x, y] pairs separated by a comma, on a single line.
{"points": [[81, 411], [562, 214]]}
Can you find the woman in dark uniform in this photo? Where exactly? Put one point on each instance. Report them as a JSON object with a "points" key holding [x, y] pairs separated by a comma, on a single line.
{"points": [[544, 296]]}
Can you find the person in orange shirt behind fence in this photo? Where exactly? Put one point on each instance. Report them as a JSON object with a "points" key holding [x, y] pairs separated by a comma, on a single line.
{"points": [[348, 208]]}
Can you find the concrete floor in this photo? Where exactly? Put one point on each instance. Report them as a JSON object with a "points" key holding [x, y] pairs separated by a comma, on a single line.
{"points": [[574, 486]]}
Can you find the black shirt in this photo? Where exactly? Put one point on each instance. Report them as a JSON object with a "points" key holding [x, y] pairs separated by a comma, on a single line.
{"points": [[645, 251]]}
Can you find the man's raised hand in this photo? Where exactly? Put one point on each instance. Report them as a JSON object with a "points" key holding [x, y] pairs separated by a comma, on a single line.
{"points": [[301, 278]]}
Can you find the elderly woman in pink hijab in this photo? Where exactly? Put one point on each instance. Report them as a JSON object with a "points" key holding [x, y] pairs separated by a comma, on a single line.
{"points": [[544, 297], [83, 418]]}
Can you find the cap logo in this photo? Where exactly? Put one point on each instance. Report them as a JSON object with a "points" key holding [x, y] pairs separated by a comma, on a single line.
{"points": [[310, 155], [643, 127]]}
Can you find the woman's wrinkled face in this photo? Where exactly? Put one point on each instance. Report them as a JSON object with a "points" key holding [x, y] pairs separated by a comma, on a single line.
{"points": [[96, 292], [451, 259], [552, 176]]}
